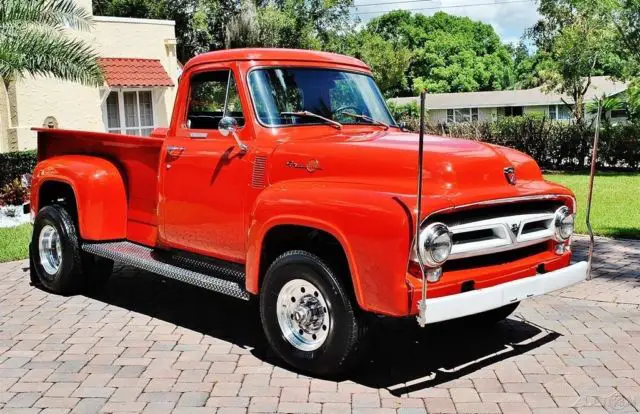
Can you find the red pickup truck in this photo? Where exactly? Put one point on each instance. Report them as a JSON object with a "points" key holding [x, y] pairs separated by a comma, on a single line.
{"points": [[283, 177]]}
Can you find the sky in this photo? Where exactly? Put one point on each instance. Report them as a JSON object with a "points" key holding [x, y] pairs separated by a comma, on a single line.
{"points": [[509, 18]]}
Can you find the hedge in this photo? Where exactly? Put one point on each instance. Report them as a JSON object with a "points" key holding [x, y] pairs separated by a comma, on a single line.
{"points": [[554, 145], [14, 164]]}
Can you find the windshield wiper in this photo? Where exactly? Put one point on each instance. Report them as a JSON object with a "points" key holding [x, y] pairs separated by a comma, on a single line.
{"points": [[333, 123], [367, 118]]}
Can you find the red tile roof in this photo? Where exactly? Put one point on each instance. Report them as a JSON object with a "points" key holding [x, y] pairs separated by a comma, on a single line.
{"points": [[134, 72]]}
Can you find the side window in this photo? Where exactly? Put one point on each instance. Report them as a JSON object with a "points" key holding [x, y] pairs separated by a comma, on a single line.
{"points": [[212, 96]]}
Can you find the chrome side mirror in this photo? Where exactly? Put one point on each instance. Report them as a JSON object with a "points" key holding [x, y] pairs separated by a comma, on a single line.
{"points": [[229, 125]]}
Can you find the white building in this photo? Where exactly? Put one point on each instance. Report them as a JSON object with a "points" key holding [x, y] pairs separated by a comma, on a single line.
{"points": [[138, 57], [489, 106]]}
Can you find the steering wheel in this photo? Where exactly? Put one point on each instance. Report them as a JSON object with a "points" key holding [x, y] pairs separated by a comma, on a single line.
{"points": [[342, 108]]}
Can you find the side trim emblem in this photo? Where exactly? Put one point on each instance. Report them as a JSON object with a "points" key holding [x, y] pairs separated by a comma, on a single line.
{"points": [[311, 166], [510, 175]]}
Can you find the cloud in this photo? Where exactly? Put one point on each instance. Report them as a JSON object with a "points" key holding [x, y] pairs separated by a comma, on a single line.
{"points": [[509, 20]]}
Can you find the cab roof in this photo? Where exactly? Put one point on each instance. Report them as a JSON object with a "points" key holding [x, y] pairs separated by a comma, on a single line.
{"points": [[261, 54]]}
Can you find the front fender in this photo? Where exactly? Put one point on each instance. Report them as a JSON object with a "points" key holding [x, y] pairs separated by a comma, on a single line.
{"points": [[373, 228], [99, 189]]}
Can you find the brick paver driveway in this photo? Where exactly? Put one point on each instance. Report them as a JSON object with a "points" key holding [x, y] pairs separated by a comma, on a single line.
{"points": [[148, 344]]}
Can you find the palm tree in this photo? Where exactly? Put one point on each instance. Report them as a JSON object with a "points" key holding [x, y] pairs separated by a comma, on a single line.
{"points": [[36, 39], [606, 105]]}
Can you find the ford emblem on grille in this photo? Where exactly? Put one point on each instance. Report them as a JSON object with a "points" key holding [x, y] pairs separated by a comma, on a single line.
{"points": [[510, 175]]}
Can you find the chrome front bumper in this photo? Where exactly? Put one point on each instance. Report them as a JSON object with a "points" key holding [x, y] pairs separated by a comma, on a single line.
{"points": [[482, 300]]}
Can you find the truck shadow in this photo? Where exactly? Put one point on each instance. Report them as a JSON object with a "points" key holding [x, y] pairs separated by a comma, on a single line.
{"points": [[405, 358], [401, 357]]}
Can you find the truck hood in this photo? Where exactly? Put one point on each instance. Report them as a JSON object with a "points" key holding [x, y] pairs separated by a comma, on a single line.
{"points": [[389, 159], [462, 171]]}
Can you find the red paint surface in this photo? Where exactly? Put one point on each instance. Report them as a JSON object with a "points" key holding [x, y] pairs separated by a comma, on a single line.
{"points": [[364, 194]]}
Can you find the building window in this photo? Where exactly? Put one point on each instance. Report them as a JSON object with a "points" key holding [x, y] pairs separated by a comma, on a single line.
{"points": [[129, 112], [618, 113], [462, 115], [512, 111], [559, 112]]}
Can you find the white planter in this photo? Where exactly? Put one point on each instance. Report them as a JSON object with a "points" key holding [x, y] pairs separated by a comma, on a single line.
{"points": [[11, 216]]}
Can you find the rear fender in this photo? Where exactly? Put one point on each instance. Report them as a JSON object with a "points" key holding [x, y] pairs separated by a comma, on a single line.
{"points": [[372, 227], [99, 189]]}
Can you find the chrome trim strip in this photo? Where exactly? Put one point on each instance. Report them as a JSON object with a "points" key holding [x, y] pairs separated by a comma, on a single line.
{"points": [[500, 201]]}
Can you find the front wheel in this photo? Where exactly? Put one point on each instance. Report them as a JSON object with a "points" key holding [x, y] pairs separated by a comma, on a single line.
{"points": [[308, 316]]}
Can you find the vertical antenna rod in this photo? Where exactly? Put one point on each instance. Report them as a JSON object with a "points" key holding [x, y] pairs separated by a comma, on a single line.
{"points": [[594, 156], [422, 305]]}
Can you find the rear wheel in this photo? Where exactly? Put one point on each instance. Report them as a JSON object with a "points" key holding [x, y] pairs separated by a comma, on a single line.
{"points": [[55, 251], [56, 259], [308, 316]]}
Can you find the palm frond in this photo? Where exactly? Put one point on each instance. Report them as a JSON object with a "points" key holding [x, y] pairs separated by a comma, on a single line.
{"points": [[17, 26], [58, 14], [38, 52], [606, 104]]}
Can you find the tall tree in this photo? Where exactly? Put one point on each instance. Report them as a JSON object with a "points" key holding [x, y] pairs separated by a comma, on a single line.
{"points": [[273, 25], [322, 19], [576, 40], [450, 53], [203, 25], [627, 21], [389, 61], [526, 67]]}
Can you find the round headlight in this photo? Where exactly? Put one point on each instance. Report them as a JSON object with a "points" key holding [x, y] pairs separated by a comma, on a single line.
{"points": [[435, 244], [564, 224]]}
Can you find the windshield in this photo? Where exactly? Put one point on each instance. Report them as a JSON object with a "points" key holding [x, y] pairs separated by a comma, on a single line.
{"points": [[332, 94]]}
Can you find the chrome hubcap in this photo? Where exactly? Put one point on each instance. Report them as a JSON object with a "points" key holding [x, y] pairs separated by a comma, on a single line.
{"points": [[303, 315], [50, 249]]}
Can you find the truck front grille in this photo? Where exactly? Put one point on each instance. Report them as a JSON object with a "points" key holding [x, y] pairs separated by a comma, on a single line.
{"points": [[495, 259], [494, 229]]}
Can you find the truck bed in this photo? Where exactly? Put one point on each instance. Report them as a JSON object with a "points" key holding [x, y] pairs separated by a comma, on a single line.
{"points": [[137, 157]]}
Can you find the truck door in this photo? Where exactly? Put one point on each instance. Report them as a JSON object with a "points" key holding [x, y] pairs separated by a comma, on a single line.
{"points": [[205, 173]]}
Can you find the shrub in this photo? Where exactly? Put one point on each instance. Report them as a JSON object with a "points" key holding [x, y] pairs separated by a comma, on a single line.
{"points": [[554, 145], [402, 112], [14, 193], [14, 164]]}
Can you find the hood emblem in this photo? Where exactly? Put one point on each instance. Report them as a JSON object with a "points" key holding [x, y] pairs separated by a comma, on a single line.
{"points": [[510, 175], [311, 166], [515, 228]]}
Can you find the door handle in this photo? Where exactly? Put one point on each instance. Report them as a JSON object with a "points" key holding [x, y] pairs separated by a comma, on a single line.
{"points": [[174, 151]]}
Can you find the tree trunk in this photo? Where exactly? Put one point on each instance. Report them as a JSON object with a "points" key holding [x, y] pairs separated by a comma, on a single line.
{"points": [[5, 116], [11, 130]]}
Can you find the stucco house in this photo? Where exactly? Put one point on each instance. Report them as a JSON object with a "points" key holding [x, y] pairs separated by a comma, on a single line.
{"points": [[489, 106], [138, 57]]}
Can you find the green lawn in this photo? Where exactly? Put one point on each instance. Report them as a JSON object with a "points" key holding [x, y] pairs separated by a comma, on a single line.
{"points": [[615, 210], [14, 242]]}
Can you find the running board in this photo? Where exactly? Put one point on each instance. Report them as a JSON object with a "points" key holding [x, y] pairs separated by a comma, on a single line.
{"points": [[221, 278]]}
